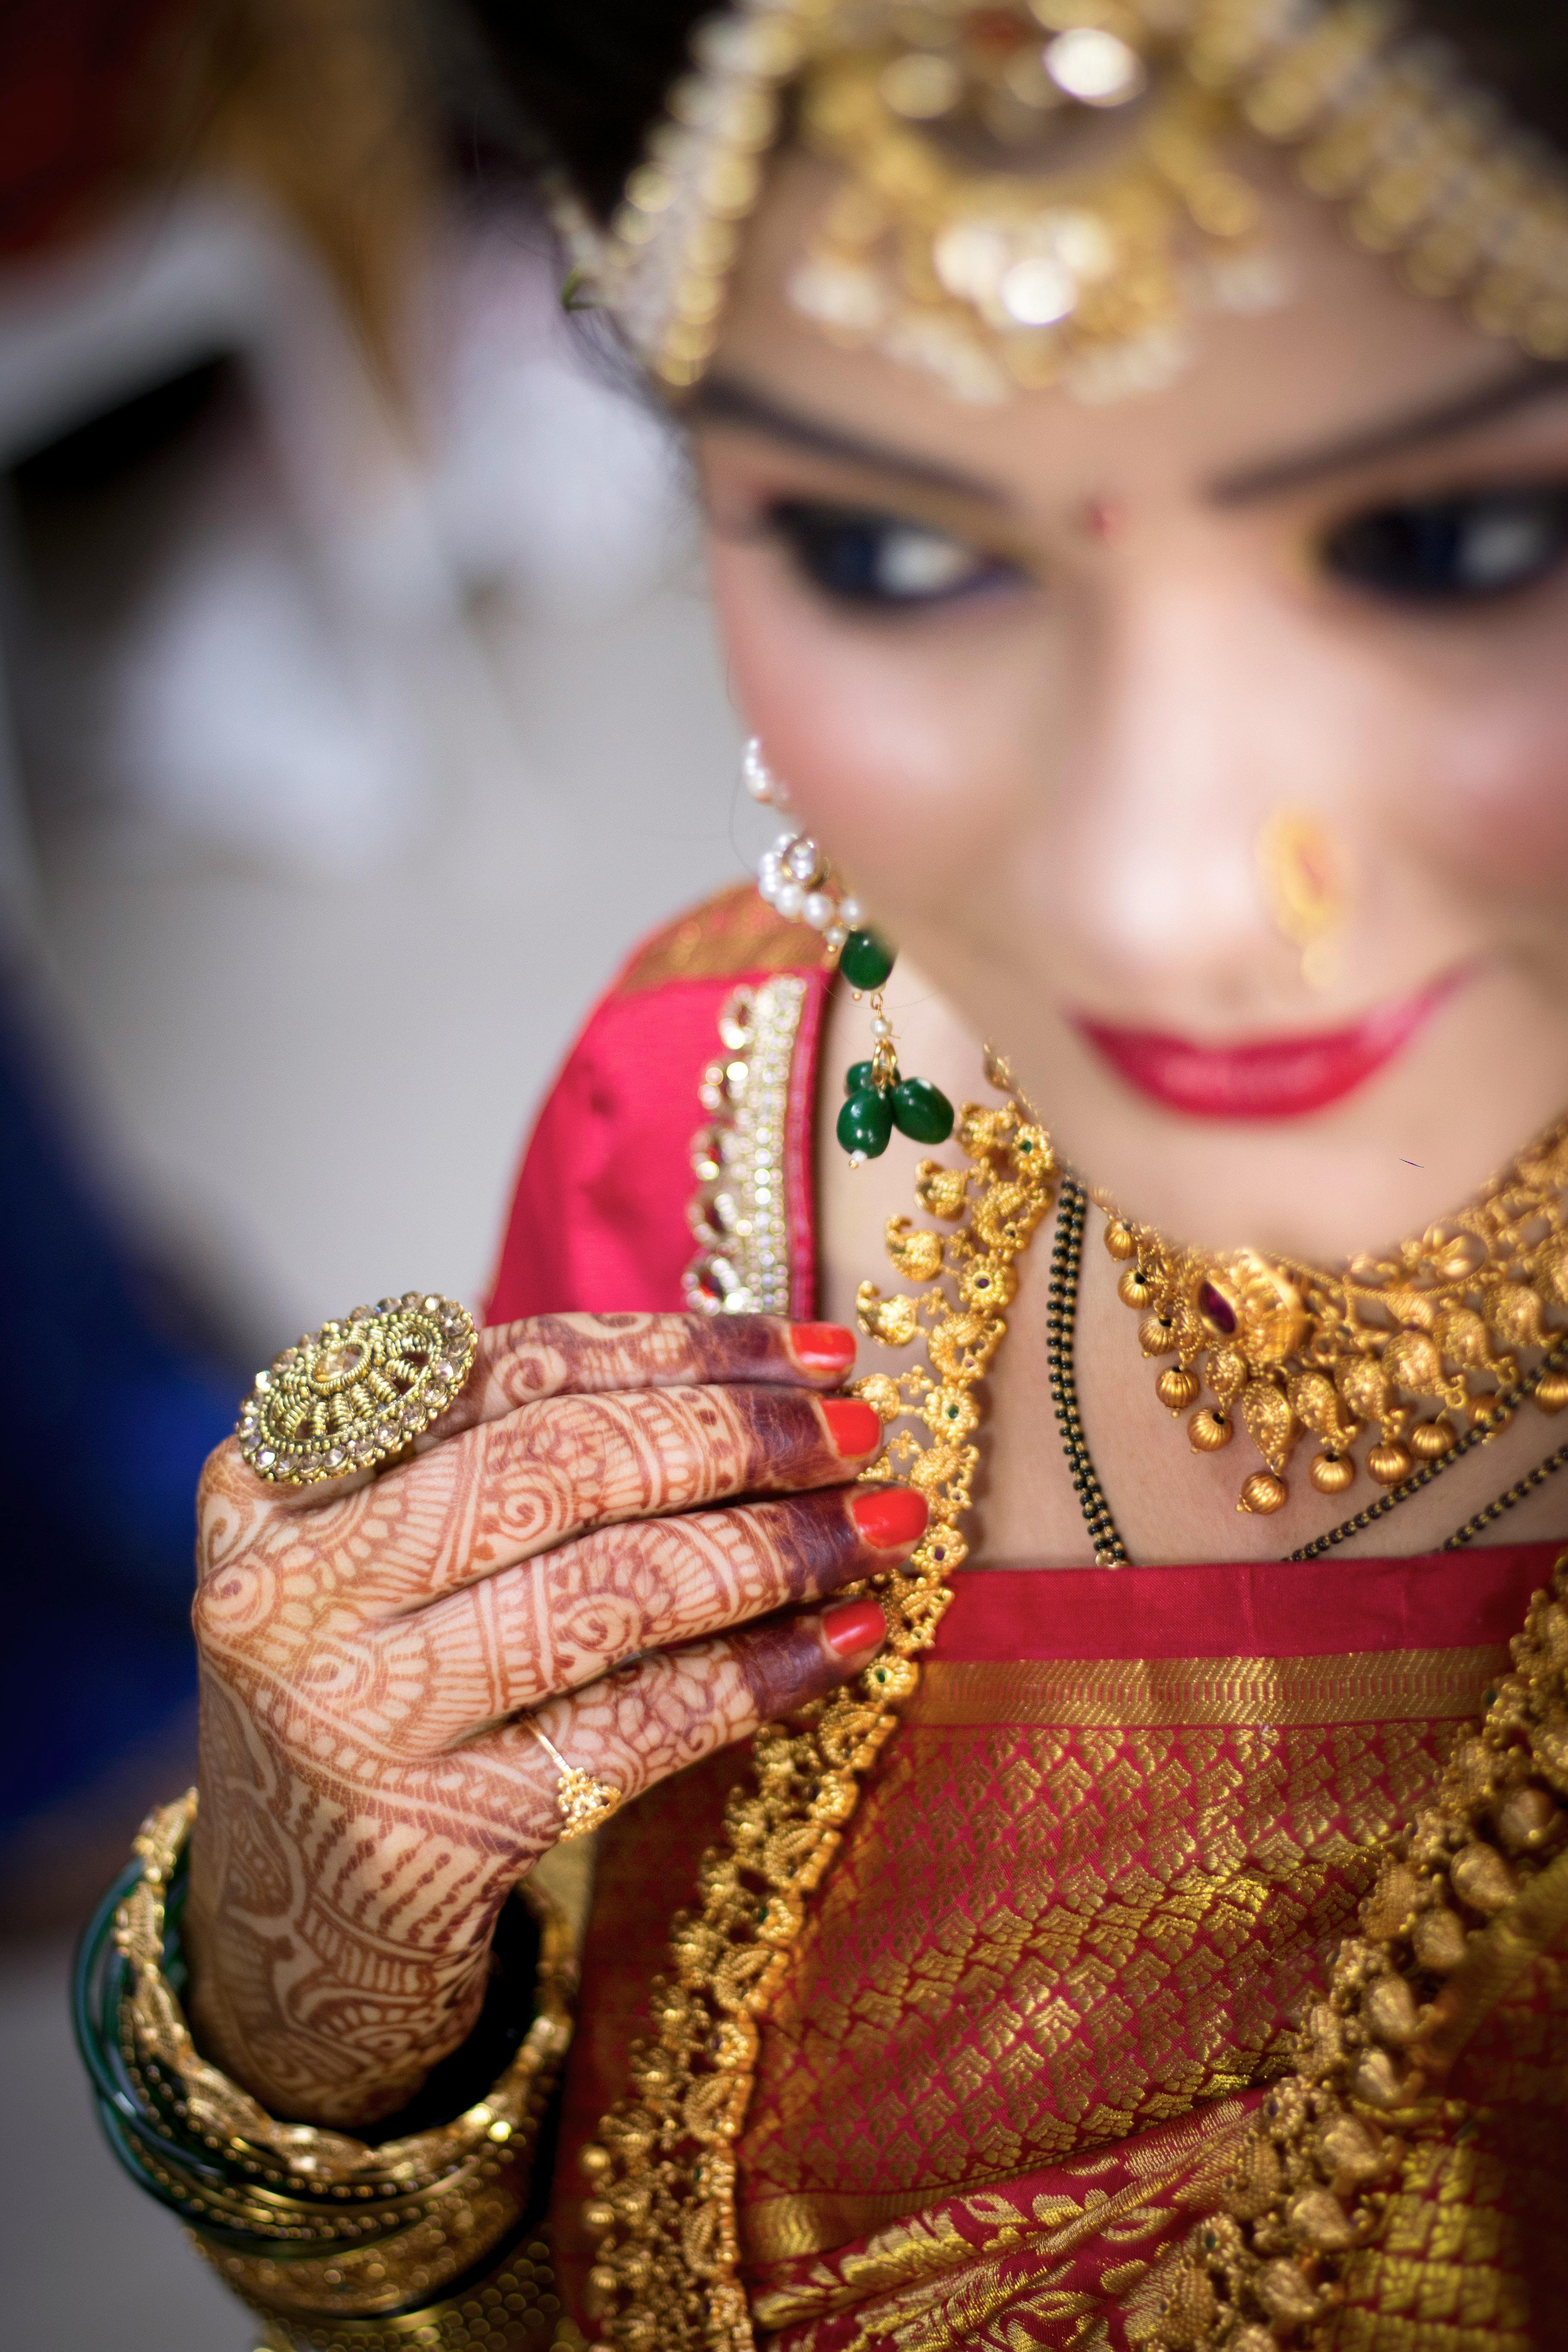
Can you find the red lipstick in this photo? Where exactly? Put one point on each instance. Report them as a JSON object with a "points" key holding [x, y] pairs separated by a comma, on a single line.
{"points": [[1264, 1078]]}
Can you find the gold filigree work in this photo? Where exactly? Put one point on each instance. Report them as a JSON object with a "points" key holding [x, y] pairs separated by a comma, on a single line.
{"points": [[982, 233], [1445, 1321], [355, 1394], [663, 2173]]}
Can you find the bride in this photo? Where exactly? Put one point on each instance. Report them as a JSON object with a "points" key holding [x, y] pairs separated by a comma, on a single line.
{"points": [[1045, 1556]]}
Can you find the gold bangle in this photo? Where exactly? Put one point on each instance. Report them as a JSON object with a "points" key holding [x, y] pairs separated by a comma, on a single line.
{"points": [[516, 2309], [449, 2236], [215, 2110], [359, 2230]]}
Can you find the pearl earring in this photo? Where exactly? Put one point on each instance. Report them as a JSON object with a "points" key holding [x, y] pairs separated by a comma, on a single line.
{"points": [[792, 876]]}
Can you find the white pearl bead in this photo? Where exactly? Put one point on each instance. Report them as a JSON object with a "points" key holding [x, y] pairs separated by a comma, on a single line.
{"points": [[849, 914], [789, 899], [880, 1028], [754, 769], [818, 910]]}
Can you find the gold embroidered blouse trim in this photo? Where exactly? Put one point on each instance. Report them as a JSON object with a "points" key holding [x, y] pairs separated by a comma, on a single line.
{"points": [[741, 1215], [1473, 1892], [990, 227]]}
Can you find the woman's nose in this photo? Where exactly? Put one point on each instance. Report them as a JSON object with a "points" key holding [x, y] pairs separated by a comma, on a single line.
{"points": [[1183, 750]]}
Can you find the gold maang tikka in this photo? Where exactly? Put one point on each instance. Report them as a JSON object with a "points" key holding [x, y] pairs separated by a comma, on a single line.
{"points": [[986, 228]]}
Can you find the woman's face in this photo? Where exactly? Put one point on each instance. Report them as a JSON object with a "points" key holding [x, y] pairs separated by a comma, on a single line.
{"points": [[1055, 683]]}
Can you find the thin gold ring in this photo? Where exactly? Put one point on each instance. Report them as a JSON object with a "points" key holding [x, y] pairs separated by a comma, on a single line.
{"points": [[585, 1801]]}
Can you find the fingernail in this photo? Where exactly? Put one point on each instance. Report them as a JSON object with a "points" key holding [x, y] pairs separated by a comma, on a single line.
{"points": [[855, 1428], [859, 1626], [822, 1347], [891, 1517]]}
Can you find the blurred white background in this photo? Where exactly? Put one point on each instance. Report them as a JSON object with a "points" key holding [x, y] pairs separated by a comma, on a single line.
{"points": [[347, 768], [342, 762]]}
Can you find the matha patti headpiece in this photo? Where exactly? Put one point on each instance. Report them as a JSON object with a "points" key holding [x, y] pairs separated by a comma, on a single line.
{"points": [[1038, 192]]}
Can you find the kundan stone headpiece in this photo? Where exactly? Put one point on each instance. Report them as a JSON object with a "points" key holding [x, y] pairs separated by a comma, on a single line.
{"points": [[1039, 191]]}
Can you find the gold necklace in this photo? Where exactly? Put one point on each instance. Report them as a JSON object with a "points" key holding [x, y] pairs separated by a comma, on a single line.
{"points": [[664, 2172], [1288, 1348], [665, 2276]]}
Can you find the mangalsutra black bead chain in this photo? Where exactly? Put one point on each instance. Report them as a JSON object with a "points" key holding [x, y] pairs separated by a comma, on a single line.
{"points": [[1110, 1551], [1067, 1256]]}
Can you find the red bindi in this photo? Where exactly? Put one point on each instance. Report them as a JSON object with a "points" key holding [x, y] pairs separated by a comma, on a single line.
{"points": [[1102, 518]]}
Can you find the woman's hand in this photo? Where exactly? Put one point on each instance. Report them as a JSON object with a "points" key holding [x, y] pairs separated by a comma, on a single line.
{"points": [[566, 1545]]}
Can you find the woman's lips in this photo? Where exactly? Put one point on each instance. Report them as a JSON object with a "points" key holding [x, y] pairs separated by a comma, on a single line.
{"points": [[1264, 1078]]}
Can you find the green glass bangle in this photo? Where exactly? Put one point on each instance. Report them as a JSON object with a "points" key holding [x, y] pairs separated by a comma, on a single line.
{"points": [[187, 2176]]}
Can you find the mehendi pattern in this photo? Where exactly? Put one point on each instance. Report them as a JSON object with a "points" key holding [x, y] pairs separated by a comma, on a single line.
{"points": [[362, 1657]]}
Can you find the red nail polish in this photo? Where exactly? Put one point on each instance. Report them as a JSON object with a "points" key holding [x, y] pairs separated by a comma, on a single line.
{"points": [[859, 1625], [855, 1428], [891, 1517], [822, 1347]]}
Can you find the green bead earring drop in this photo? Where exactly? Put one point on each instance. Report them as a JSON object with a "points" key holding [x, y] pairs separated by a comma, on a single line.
{"points": [[793, 877], [877, 1098]]}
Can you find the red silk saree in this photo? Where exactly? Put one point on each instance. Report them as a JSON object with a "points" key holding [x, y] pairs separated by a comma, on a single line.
{"points": [[1127, 1820]]}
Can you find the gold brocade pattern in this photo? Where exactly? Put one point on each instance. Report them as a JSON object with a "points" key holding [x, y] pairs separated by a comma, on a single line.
{"points": [[1440, 2280], [1004, 2268], [1373, 1687], [1029, 1950]]}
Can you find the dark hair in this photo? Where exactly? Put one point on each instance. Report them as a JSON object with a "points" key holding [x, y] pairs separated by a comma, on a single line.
{"points": [[575, 82], [581, 82]]}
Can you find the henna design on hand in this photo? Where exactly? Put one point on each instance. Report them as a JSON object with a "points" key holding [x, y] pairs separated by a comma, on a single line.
{"points": [[364, 1813]]}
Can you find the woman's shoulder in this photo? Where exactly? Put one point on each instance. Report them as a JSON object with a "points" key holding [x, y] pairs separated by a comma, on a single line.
{"points": [[731, 936], [598, 1218]]}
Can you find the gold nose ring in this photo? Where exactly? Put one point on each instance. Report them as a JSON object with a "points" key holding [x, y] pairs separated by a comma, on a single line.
{"points": [[1303, 876]]}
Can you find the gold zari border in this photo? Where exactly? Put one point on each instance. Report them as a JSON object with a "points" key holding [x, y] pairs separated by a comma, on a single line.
{"points": [[1388, 1686]]}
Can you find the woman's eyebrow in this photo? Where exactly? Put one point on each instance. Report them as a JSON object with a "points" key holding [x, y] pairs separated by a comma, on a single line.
{"points": [[1391, 437], [727, 400]]}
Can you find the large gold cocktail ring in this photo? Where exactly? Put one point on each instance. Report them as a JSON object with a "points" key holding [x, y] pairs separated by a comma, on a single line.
{"points": [[355, 1394], [585, 1801]]}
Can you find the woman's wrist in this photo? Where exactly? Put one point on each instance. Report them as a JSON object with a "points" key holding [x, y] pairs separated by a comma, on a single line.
{"points": [[307, 2222], [326, 1993]]}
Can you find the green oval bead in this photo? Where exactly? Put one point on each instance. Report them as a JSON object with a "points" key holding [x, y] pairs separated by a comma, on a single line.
{"points": [[922, 1111], [864, 961], [866, 1122]]}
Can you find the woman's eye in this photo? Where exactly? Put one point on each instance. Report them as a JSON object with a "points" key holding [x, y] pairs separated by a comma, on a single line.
{"points": [[1453, 550], [863, 558]]}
